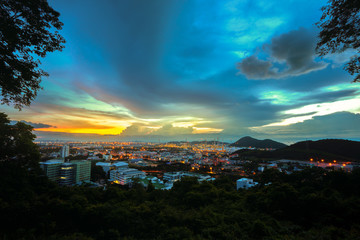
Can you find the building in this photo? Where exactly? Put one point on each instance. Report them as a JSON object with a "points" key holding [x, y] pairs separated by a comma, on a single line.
{"points": [[69, 173], [156, 182], [261, 168], [124, 176], [107, 157], [245, 183], [119, 165], [65, 151], [107, 166], [172, 176], [175, 176], [52, 169], [135, 160], [83, 171]]}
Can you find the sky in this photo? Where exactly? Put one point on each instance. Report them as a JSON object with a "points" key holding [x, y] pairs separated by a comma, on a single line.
{"points": [[192, 70]]}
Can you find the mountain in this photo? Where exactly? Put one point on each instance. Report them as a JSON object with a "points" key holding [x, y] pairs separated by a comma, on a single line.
{"points": [[209, 142], [252, 142], [327, 149], [201, 142]]}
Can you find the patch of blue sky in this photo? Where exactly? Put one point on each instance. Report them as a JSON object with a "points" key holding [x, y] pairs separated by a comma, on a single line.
{"points": [[340, 87], [280, 97]]}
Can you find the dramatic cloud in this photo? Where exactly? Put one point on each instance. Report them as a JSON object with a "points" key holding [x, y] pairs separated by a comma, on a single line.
{"points": [[169, 130], [175, 129], [160, 70], [136, 130], [290, 54], [337, 125], [255, 68], [65, 136], [35, 125], [165, 130]]}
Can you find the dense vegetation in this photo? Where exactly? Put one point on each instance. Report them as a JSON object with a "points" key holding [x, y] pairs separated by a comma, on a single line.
{"points": [[16, 143], [312, 204]]}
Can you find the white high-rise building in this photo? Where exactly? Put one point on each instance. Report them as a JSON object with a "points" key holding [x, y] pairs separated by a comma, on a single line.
{"points": [[65, 151]]}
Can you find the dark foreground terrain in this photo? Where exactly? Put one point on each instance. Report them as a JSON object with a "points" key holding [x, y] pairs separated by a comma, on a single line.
{"points": [[312, 204]]}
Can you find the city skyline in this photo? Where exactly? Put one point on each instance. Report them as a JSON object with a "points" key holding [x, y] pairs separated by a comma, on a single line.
{"points": [[194, 70]]}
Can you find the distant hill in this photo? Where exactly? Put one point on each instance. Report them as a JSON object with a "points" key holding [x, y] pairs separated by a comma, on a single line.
{"points": [[200, 142], [209, 142], [328, 149], [252, 142]]}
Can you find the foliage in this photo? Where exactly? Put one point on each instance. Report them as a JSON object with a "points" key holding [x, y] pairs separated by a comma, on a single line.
{"points": [[16, 143], [305, 205], [165, 167], [26, 34], [97, 172], [340, 30]]}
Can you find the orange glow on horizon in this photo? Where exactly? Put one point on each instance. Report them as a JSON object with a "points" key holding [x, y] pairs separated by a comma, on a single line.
{"points": [[106, 131]]}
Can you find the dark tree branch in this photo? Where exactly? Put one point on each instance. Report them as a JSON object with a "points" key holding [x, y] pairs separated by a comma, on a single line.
{"points": [[340, 30], [27, 28]]}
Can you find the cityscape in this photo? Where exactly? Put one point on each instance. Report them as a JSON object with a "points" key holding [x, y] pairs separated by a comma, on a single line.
{"points": [[174, 119], [163, 164]]}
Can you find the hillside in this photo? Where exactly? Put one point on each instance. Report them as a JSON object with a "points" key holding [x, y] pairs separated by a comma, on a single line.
{"points": [[252, 142], [327, 149]]}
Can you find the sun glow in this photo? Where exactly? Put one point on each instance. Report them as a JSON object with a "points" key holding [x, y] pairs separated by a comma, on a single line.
{"points": [[100, 131], [198, 130]]}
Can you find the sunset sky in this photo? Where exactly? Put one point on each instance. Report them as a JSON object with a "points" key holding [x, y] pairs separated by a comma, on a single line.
{"points": [[196, 69]]}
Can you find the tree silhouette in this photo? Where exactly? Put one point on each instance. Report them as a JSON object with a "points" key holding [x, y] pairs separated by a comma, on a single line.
{"points": [[340, 30], [16, 143], [28, 31]]}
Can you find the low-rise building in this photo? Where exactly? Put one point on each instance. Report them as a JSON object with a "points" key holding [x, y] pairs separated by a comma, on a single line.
{"points": [[107, 157], [175, 176], [107, 166], [245, 183], [124, 176], [119, 165], [172, 176]]}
